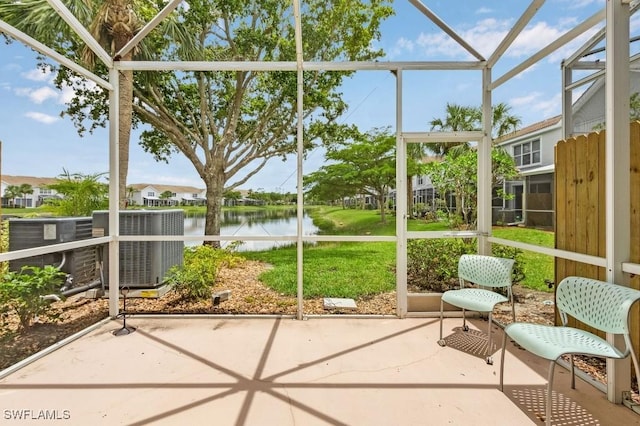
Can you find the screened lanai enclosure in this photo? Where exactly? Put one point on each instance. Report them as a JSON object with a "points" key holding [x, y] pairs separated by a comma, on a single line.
{"points": [[299, 114]]}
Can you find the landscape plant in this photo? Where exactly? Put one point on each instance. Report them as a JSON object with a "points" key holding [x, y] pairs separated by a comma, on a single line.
{"points": [[196, 277], [81, 194], [23, 292], [432, 264]]}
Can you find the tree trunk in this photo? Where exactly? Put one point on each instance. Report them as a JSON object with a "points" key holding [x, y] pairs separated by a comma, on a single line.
{"points": [[124, 133], [383, 214], [214, 182], [123, 29], [410, 196]]}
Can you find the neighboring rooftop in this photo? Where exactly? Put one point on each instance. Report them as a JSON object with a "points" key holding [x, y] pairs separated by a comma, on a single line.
{"points": [[530, 129]]}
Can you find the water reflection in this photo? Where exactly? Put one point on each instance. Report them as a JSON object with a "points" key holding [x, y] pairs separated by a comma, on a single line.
{"points": [[253, 223]]}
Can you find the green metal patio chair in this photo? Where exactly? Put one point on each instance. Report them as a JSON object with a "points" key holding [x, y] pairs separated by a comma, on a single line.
{"points": [[488, 273], [598, 304]]}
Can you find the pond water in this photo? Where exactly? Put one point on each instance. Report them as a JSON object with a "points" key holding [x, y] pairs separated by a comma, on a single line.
{"points": [[254, 223]]}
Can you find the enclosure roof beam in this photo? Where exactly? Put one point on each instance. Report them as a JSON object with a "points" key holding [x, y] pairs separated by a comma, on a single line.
{"points": [[291, 66], [444, 27], [170, 7], [515, 31], [39, 47], [420, 137], [633, 63], [76, 26], [561, 41], [586, 48]]}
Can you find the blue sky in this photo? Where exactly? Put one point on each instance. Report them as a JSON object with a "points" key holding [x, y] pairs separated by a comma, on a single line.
{"points": [[36, 141]]}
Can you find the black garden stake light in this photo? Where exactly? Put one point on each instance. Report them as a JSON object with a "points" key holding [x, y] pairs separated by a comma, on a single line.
{"points": [[124, 330]]}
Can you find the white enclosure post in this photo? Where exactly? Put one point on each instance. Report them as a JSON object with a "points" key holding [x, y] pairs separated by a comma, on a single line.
{"points": [[484, 167], [114, 196], [299, 157], [401, 205], [617, 169]]}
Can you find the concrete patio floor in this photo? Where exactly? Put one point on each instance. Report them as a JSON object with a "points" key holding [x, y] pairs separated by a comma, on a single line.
{"points": [[270, 371]]}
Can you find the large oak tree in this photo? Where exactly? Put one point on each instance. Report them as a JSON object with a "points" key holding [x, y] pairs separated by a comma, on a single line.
{"points": [[230, 124]]}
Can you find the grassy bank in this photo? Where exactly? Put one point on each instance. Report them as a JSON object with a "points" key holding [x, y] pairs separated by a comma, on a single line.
{"points": [[355, 269]]}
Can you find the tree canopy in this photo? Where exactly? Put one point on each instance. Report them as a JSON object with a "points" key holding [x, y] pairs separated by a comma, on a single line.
{"points": [[469, 118], [229, 124], [363, 165], [457, 174], [82, 194]]}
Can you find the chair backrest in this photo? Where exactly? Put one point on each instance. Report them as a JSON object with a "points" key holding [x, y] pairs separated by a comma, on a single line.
{"points": [[485, 271], [599, 304]]}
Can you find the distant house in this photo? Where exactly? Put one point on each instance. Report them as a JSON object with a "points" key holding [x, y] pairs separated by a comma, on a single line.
{"points": [[154, 195], [533, 149], [39, 185], [531, 196]]}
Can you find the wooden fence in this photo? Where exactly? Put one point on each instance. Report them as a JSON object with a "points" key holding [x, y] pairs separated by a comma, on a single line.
{"points": [[581, 210]]}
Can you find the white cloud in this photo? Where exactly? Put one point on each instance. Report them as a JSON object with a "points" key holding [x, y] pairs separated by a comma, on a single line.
{"points": [[402, 45], [485, 35], [576, 4], [40, 95], [484, 11], [548, 106], [40, 117], [38, 75], [66, 95], [11, 67], [524, 100]]}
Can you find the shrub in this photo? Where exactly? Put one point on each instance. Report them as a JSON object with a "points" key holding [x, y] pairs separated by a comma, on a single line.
{"points": [[4, 245], [22, 292], [432, 265], [197, 276]]}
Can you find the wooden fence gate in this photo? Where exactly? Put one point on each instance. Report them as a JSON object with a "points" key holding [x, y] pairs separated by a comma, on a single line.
{"points": [[581, 210]]}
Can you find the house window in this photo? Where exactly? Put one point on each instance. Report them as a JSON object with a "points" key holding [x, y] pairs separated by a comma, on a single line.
{"points": [[527, 153], [540, 188], [173, 194], [45, 191], [194, 195], [151, 194]]}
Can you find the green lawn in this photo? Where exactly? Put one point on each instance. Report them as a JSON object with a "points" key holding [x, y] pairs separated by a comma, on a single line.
{"points": [[353, 269]]}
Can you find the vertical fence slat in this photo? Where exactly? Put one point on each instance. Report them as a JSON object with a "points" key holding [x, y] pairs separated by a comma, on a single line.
{"points": [[580, 208], [602, 222], [634, 226], [581, 215], [561, 210]]}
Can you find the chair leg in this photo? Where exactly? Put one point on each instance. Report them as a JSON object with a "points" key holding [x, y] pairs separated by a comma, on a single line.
{"points": [[634, 358], [513, 309], [547, 420], [441, 342], [573, 373], [504, 349], [465, 327], [489, 343]]}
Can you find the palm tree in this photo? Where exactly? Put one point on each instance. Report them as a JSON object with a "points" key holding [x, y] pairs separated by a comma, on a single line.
{"points": [[113, 23], [458, 119], [415, 154], [466, 118], [503, 121], [11, 192]]}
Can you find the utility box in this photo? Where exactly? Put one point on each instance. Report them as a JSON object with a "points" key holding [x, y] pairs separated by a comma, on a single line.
{"points": [[143, 264], [80, 263]]}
